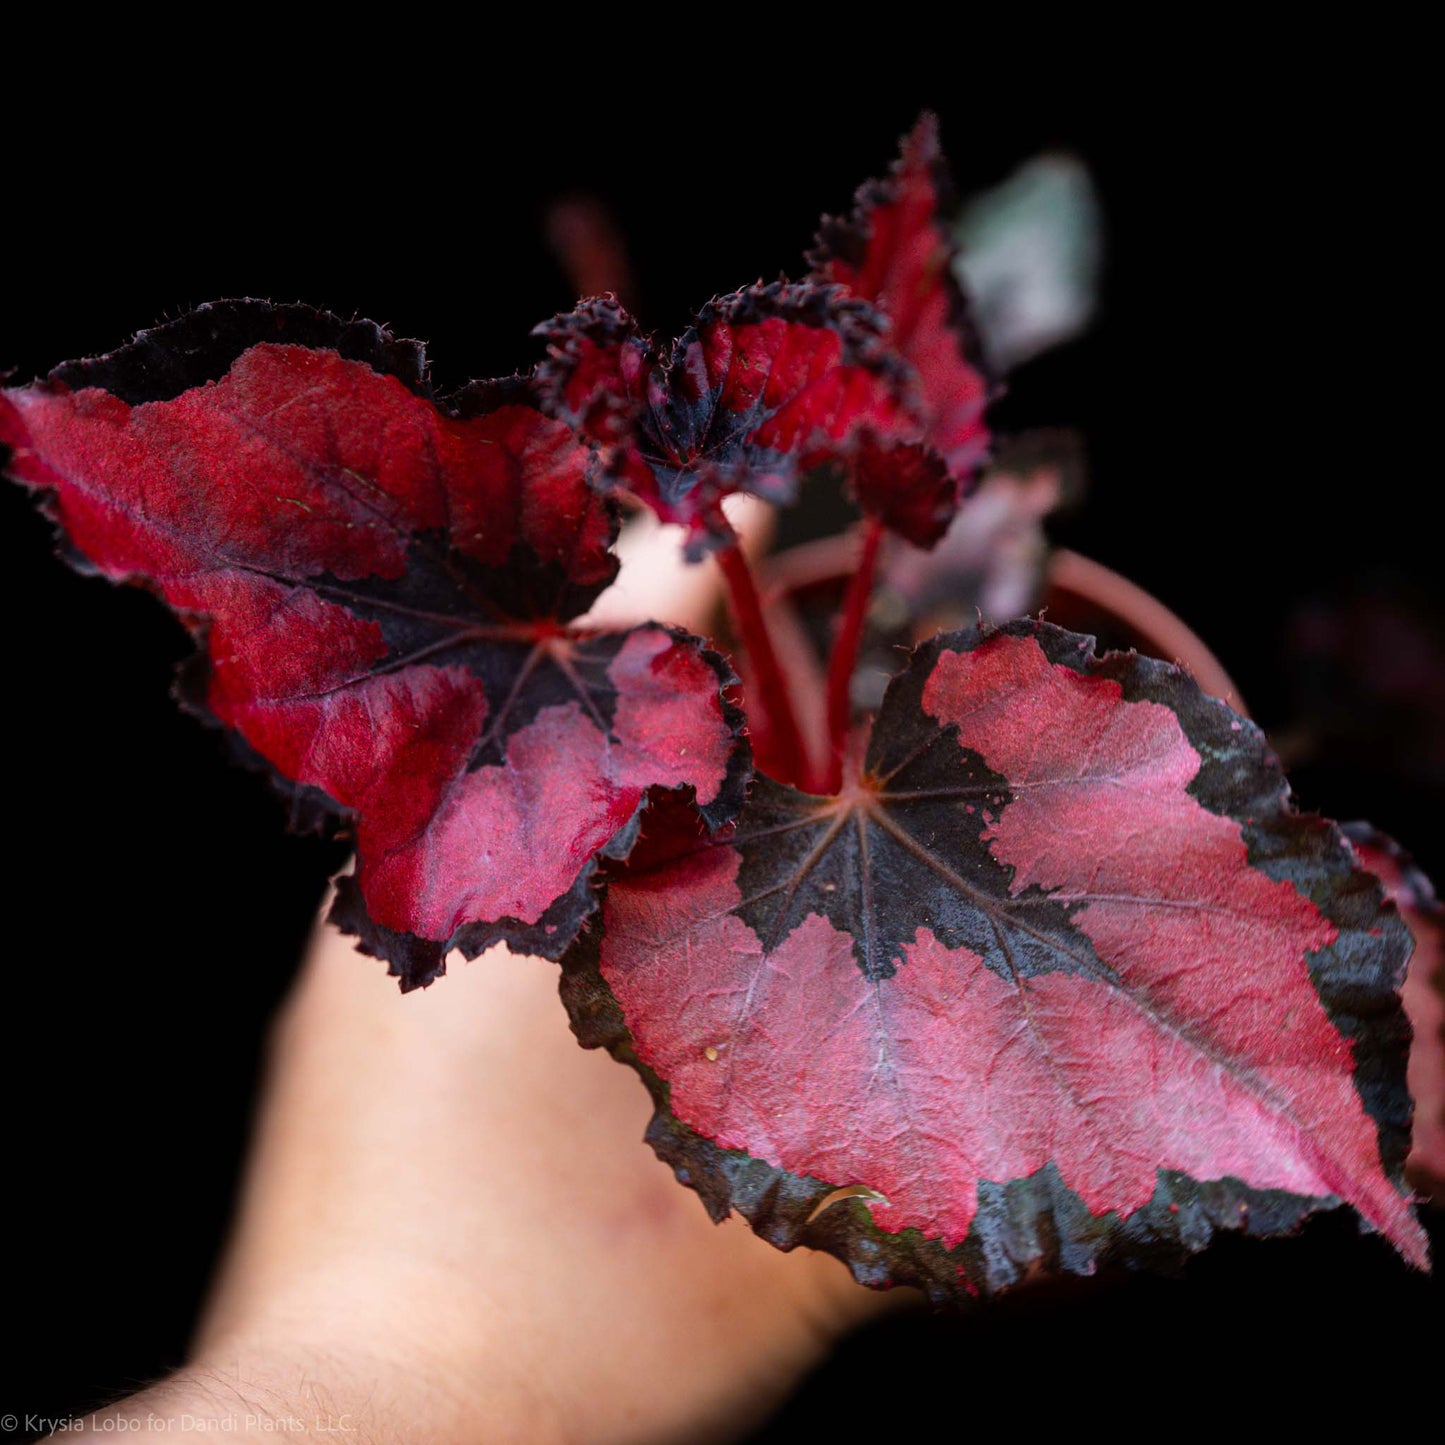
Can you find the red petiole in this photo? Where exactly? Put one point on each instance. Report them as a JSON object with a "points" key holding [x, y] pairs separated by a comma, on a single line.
{"points": [[846, 643], [791, 759]]}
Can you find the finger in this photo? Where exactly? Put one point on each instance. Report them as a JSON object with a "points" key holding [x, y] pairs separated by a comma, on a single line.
{"points": [[657, 584]]}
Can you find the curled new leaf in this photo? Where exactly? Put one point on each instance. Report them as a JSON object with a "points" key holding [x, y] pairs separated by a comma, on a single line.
{"points": [[382, 588], [1059, 974], [895, 251], [770, 382]]}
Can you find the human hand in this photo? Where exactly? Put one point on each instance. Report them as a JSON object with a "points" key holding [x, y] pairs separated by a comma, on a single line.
{"points": [[451, 1231]]}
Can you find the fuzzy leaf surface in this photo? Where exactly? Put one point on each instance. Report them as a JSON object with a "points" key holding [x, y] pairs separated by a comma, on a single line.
{"points": [[381, 586], [1060, 975], [896, 251], [771, 382]]}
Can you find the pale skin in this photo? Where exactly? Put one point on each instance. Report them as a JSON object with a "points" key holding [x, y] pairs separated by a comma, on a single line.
{"points": [[451, 1230]]}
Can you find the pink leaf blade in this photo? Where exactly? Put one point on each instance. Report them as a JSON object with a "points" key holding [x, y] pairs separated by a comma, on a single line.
{"points": [[770, 383], [896, 251], [1061, 975], [382, 587]]}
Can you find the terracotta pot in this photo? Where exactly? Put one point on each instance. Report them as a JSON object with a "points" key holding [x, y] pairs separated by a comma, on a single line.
{"points": [[1086, 596], [1080, 594]]}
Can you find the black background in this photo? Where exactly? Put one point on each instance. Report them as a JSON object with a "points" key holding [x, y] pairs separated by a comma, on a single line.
{"points": [[1251, 443]]}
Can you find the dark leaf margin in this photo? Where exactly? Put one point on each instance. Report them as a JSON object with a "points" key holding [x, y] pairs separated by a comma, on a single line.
{"points": [[599, 328], [161, 363], [635, 399], [846, 244], [1028, 1228], [581, 375], [417, 962], [1414, 895], [846, 238]]}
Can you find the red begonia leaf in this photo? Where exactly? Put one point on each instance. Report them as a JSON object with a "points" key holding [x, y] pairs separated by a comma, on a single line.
{"points": [[896, 251], [769, 383], [381, 585], [1060, 978], [1423, 996]]}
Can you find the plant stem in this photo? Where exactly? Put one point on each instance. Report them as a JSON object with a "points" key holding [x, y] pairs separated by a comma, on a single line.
{"points": [[845, 652], [747, 609]]}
